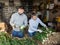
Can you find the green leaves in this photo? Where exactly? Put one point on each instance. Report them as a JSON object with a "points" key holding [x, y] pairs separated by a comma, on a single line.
{"points": [[6, 39], [43, 36]]}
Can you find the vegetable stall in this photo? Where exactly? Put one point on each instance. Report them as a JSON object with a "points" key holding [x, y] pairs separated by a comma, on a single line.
{"points": [[7, 39]]}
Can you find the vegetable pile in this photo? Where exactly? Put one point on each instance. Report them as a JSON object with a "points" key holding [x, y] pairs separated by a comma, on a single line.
{"points": [[42, 37], [5, 39]]}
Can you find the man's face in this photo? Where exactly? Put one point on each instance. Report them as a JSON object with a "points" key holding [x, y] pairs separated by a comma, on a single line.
{"points": [[20, 11], [34, 17]]}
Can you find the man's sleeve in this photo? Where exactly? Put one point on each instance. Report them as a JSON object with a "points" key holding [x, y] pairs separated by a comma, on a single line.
{"points": [[25, 21], [41, 22], [12, 20]]}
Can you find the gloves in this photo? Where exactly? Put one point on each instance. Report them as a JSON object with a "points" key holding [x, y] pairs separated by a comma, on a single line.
{"points": [[39, 30], [18, 27]]}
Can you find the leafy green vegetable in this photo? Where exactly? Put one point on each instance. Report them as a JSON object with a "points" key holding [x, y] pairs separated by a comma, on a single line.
{"points": [[43, 35], [6, 39]]}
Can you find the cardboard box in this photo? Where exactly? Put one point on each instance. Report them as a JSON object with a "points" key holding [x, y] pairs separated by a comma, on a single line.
{"points": [[2, 26]]}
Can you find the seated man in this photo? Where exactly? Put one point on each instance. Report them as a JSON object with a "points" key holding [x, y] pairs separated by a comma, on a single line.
{"points": [[17, 20], [33, 25]]}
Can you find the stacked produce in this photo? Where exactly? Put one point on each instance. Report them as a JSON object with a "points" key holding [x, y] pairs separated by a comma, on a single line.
{"points": [[5, 39], [42, 37]]}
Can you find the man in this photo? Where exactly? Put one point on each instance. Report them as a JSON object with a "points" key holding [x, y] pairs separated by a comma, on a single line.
{"points": [[17, 20], [33, 25]]}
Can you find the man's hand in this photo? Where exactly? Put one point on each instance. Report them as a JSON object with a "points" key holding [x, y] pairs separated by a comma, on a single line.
{"points": [[39, 30], [15, 26]]}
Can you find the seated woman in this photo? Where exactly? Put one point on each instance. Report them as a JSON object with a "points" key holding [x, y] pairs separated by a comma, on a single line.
{"points": [[33, 25]]}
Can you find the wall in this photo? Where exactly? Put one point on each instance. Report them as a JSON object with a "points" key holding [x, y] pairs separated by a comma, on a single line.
{"points": [[8, 10]]}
